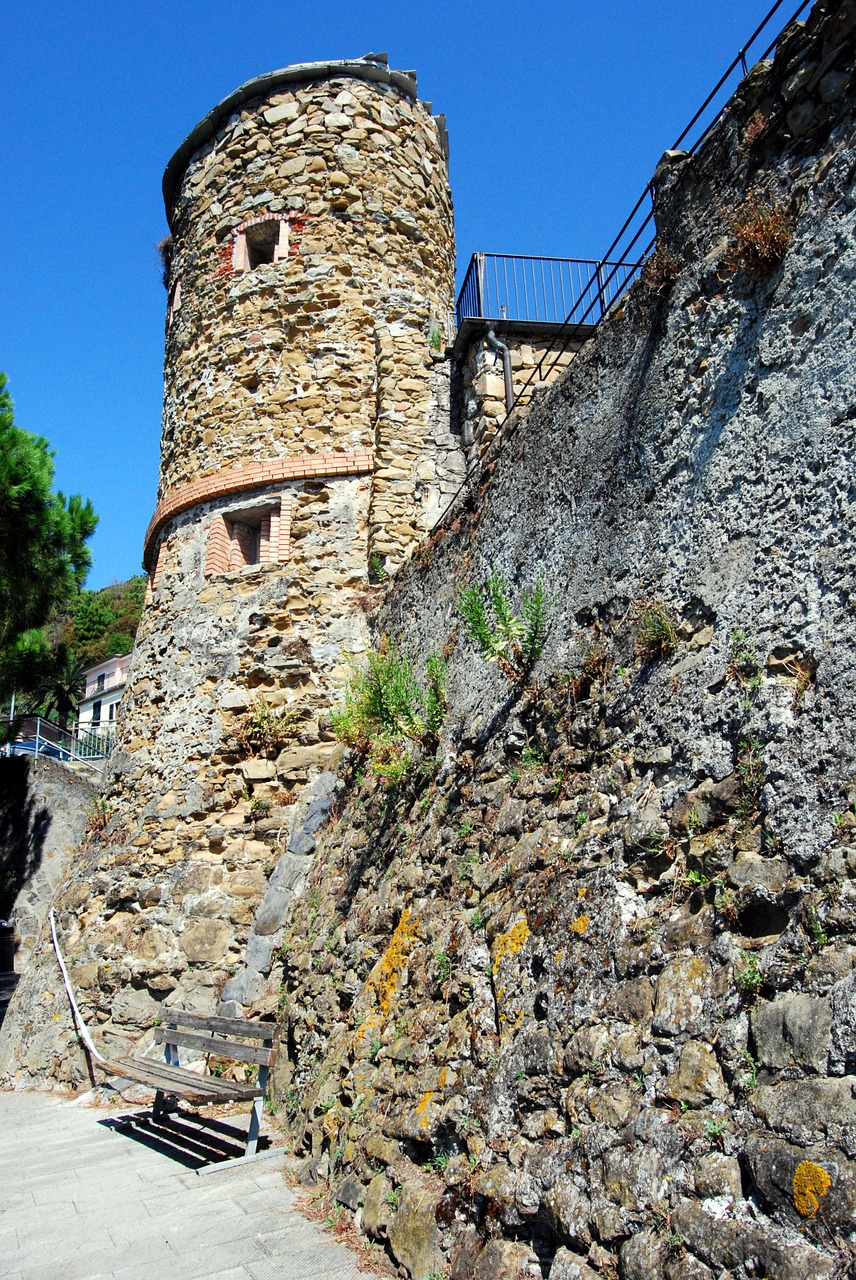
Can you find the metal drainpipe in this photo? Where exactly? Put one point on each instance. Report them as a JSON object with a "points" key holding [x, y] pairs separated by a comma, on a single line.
{"points": [[493, 341]]}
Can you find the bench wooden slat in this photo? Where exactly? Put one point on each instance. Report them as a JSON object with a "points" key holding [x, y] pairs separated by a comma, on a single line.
{"points": [[268, 1031], [168, 1079], [212, 1044], [188, 1084]]}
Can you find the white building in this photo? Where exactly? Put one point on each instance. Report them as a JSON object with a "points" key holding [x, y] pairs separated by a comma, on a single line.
{"points": [[103, 689]]}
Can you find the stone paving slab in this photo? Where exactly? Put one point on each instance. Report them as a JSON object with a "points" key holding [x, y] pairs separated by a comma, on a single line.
{"points": [[80, 1200]]}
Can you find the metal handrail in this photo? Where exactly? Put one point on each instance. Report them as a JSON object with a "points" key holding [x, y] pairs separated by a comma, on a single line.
{"points": [[513, 286], [572, 324], [37, 736]]}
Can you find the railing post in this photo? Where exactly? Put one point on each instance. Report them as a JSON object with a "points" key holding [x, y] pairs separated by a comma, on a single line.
{"points": [[599, 274], [38, 729], [479, 265]]}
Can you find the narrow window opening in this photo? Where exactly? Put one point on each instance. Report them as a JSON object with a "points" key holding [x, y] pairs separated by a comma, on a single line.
{"points": [[263, 240], [175, 299], [261, 243], [257, 535], [96, 712], [246, 543]]}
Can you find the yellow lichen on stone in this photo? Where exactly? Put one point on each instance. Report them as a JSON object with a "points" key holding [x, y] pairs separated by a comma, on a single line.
{"points": [[383, 979], [580, 925], [368, 1029], [810, 1183], [508, 944]]}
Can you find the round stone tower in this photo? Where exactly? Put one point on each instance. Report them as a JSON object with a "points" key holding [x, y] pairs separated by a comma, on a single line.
{"points": [[306, 446], [310, 277]]}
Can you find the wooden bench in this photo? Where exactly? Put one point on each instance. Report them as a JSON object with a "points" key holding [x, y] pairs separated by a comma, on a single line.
{"points": [[232, 1038]]}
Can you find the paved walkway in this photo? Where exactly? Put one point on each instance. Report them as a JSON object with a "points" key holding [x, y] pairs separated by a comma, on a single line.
{"points": [[81, 1200]]}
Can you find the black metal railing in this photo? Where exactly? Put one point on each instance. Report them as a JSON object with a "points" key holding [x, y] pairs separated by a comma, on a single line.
{"points": [[509, 286], [635, 242]]}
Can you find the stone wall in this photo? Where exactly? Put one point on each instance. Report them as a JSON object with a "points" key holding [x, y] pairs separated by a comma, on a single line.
{"points": [[43, 814], [481, 384], [577, 1000]]}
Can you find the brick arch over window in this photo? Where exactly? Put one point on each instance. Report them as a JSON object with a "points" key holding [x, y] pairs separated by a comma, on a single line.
{"points": [[259, 240]]}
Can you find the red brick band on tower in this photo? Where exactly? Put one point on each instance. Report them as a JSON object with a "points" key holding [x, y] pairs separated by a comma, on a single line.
{"points": [[254, 476]]}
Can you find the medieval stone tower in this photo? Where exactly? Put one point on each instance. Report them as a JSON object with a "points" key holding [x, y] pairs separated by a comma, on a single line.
{"points": [[306, 446]]}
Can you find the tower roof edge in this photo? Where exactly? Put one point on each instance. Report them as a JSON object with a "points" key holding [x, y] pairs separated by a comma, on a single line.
{"points": [[369, 68]]}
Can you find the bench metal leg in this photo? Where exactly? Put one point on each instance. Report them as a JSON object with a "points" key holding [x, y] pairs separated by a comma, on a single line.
{"points": [[164, 1104], [255, 1124]]}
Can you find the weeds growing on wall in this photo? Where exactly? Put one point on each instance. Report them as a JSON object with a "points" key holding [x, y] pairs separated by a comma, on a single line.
{"points": [[165, 250], [743, 665], [386, 708], [513, 639], [377, 572], [761, 231], [755, 130], [661, 270], [750, 771], [98, 814], [656, 630], [266, 728]]}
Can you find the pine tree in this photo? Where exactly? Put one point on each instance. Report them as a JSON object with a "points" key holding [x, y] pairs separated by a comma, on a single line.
{"points": [[44, 558]]}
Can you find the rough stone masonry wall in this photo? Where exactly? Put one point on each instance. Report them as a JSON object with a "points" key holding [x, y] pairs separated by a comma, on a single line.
{"points": [[579, 1000], [43, 813], [482, 385], [324, 356], [330, 349]]}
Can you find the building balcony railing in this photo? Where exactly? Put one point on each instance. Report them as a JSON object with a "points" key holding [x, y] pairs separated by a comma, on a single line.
{"points": [[504, 286], [36, 736]]}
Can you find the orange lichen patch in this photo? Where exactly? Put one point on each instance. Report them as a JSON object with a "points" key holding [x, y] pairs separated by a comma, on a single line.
{"points": [[559, 957], [366, 1034], [426, 1112], [508, 944], [810, 1183], [582, 892], [384, 977], [580, 925]]}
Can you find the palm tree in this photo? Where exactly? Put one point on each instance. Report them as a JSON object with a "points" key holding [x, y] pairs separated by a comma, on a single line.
{"points": [[62, 684]]}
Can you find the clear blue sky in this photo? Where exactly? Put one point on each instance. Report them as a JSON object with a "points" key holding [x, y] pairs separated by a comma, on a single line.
{"points": [[557, 114]]}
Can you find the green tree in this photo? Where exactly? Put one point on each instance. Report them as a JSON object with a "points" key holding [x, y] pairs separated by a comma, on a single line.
{"points": [[43, 553], [100, 624], [60, 684]]}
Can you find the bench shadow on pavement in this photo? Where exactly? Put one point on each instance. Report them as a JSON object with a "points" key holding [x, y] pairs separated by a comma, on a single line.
{"points": [[188, 1138]]}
